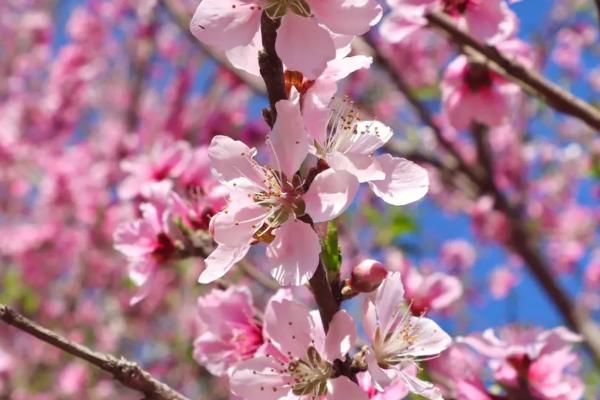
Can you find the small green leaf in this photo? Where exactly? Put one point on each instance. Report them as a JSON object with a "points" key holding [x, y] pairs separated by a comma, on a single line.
{"points": [[331, 254]]}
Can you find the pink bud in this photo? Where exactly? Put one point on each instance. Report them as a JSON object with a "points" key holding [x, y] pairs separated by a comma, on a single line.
{"points": [[367, 276]]}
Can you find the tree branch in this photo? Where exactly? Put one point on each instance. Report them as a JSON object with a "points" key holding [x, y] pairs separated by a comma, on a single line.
{"points": [[326, 301], [271, 67], [128, 373], [530, 80], [597, 2]]}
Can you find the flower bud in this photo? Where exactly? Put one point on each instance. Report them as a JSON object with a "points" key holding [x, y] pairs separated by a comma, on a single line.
{"points": [[367, 276]]}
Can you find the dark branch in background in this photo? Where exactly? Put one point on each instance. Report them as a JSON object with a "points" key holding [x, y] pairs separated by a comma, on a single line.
{"points": [[141, 62], [271, 67], [522, 241], [127, 372], [597, 2], [528, 79]]}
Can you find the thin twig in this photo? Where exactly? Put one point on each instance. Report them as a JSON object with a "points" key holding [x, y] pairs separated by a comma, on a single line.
{"points": [[127, 372], [532, 81]]}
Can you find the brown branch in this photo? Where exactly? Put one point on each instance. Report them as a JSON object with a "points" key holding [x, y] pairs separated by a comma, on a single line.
{"points": [[529, 79], [140, 66], [271, 67], [597, 2], [323, 294], [127, 372]]}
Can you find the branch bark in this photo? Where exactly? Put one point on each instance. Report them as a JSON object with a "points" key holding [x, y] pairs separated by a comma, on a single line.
{"points": [[528, 79], [324, 297], [271, 67], [127, 372]]}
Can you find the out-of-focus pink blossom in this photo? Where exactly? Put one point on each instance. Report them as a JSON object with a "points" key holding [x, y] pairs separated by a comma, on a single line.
{"points": [[458, 255], [232, 337], [489, 20], [73, 379], [502, 281]]}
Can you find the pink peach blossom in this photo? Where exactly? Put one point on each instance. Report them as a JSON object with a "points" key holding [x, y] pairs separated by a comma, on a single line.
{"points": [[348, 145], [304, 368], [399, 340], [235, 336], [266, 202]]}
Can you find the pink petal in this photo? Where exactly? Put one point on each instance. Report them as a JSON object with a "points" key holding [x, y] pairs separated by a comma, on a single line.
{"points": [[245, 57], [405, 181], [341, 335], [289, 138], [290, 327], [294, 254], [402, 23], [431, 339], [232, 163], [303, 45], [330, 194], [364, 167], [421, 387], [348, 17], [388, 298], [237, 224], [259, 379], [220, 261], [342, 388], [226, 23]]}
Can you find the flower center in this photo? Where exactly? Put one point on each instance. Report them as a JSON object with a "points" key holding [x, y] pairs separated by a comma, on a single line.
{"points": [[456, 7], [310, 376], [282, 197], [278, 8], [342, 131], [477, 76], [391, 349]]}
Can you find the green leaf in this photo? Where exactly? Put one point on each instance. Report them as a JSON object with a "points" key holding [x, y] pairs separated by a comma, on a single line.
{"points": [[390, 225], [331, 254], [595, 171]]}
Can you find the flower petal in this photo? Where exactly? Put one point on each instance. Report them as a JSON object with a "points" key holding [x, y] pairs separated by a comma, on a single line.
{"points": [[303, 45], [289, 138], [330, 194], [341, 335], [405, 181], [348, 17], [237, 224], [233, 164], [294, 254], [290, 327], [364, 167], [226, 23], [259, 379], [220, 261], [342, 388]]}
